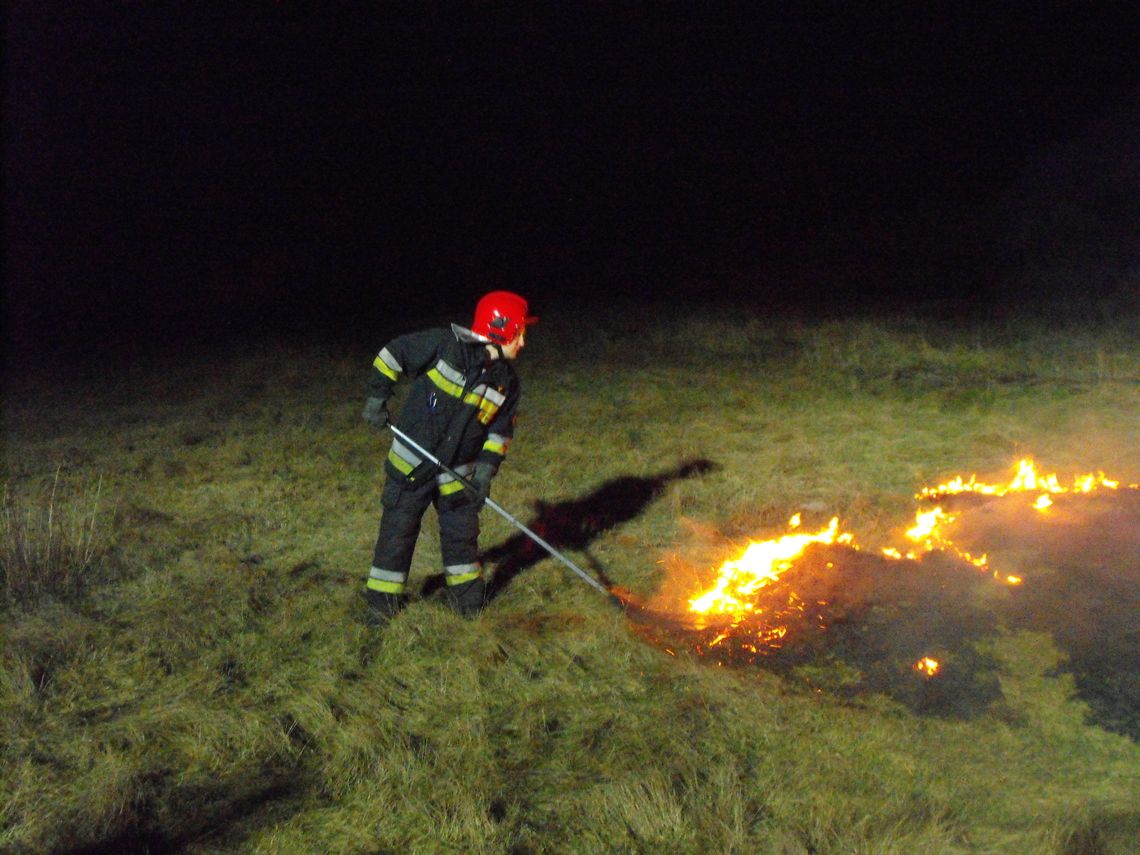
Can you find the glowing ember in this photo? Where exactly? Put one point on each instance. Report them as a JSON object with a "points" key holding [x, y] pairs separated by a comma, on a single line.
{"points": [[927, 666], [762, 562]]}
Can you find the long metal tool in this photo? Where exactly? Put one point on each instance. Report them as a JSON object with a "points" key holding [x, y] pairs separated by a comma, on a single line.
{"points": [[505, 514]]}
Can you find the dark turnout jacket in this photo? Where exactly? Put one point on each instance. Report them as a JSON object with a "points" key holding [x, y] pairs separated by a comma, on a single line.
{"points": [[461, 406]]}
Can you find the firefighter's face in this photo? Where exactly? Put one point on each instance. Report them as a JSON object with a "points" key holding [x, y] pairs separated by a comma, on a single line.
{"points": [[511, 349]]}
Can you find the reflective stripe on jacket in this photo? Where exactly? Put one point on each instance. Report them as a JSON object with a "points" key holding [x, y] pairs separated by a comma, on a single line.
{"points": [[461, 405]]}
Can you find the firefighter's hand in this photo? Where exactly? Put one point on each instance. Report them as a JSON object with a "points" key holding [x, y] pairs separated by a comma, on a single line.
{"points": [[376, 413], [481, 481]]}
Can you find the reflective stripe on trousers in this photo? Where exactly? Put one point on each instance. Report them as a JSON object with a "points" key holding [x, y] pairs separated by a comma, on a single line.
{"points": [[386, 581], [404, 506]]}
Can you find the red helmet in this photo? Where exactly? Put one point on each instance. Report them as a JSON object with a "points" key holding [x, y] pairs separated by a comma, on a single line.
{"points": [[500, 316]]}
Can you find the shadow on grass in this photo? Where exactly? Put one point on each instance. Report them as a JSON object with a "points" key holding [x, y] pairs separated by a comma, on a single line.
{"points": [[215, 814], [576, 523]]}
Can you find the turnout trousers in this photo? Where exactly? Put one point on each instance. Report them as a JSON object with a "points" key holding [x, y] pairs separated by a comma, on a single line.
{"points": [[404, 504]]}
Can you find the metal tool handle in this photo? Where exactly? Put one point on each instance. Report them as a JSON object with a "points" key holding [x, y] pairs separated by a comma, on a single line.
{"points": [[499, 509]]}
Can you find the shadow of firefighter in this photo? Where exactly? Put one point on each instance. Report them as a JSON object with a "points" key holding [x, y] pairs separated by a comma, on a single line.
{"points": [[575, 524]]}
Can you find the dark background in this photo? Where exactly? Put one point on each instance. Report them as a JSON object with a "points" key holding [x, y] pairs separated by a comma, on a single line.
{"points": [[180, 175]]}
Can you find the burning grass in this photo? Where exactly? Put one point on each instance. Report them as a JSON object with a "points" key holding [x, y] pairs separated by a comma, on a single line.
{"points": [[816, 605], [853, 623]]}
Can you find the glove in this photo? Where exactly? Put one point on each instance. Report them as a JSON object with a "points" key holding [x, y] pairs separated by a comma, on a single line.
{"points": [[481, 481], [376, 413]]}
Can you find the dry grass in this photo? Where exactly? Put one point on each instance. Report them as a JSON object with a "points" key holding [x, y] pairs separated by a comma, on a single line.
{"points": [[51, 542], [221, 695]]}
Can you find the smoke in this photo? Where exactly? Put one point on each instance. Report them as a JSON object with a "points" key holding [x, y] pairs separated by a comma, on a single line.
{"points": [[853, 622]]}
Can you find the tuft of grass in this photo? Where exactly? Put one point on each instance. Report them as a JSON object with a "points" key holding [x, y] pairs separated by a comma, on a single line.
{"points": [[51, 542]]}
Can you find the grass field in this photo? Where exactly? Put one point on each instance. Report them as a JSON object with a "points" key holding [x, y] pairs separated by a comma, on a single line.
{"points": [[185, 542]]}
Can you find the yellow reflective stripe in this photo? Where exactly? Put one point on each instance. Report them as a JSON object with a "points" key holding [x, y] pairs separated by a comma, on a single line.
{"points": [[402, 451], [495, 447], [447, 484], [460, 579], [400, 463], [453, 389], [496, 397], [386, 587], [450, 372], [487, 410], [488, 401], [387, 575], [381, 366], [450, 487]]}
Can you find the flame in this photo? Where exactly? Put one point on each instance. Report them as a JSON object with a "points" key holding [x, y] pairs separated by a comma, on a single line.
{"points": [[758, 624], [759, 565], [926, 524], [927, 666], [929, 529], [1026, 480], [929, 533]]}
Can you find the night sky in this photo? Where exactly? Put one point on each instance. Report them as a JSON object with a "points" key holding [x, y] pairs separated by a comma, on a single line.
{"points": [[187, 172]]}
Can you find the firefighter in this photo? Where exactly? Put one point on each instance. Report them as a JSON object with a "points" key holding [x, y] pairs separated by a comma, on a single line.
{"points": [[461, 408]]}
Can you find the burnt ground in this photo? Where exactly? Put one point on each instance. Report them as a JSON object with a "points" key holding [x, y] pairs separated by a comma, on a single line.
{"points": [[857, 622]]}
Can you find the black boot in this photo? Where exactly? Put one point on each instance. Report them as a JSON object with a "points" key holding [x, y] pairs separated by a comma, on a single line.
{"points": [[467, 599], [382, 607]]}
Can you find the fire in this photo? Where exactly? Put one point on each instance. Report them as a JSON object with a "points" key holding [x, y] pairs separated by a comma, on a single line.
{"points": [[929, 533], [925, 524], [758, 618], [761, 564], [929, 529], [927, 666], [1026, 480]]}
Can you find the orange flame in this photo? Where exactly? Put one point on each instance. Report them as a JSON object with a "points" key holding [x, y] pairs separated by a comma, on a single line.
{"points": [[1027, 480], [927, 531], [760, 564], [926, 524]]}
